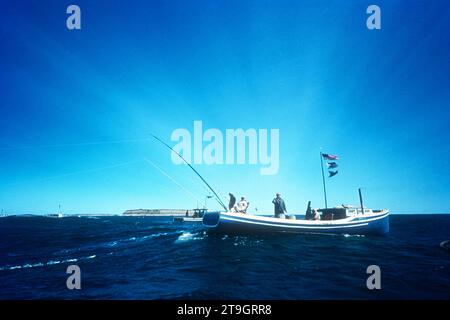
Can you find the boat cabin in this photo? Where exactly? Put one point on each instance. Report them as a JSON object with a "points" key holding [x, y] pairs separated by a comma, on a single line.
{"points": [[338, 213], [333, 213], [199, 213]]}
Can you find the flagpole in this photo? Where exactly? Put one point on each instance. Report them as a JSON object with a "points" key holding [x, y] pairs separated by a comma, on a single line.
{"points": [[323, 181]]}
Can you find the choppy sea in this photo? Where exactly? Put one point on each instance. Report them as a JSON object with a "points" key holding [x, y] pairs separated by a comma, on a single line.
{"points": [[140, 258]]}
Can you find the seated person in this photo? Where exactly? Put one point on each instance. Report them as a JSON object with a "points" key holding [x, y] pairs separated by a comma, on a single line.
{"points": [[241, 206], [315, 214]]}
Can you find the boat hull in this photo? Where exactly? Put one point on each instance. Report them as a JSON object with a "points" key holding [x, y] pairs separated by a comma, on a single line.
{"points": [[226, 222]]}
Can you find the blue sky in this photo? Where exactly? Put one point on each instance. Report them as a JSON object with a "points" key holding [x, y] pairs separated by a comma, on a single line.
{"points": [[77, 107]]}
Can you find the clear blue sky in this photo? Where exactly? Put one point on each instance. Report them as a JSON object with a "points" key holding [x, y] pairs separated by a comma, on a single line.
{"points": [[378, 99]]}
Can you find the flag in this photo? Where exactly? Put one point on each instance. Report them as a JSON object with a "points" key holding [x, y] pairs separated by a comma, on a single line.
{"points": [[330, 156], [332, 165], [332, 173]]}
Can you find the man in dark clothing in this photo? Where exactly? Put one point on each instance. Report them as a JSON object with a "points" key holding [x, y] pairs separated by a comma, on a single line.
{"points": [[279, 206], [232, 201]]}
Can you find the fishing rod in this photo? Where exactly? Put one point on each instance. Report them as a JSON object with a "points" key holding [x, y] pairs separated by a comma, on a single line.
{"points": [[198, 174]]}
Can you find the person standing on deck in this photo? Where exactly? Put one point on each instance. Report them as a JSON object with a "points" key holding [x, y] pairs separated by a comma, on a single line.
{"points": [[232, 201], [279, 206]]}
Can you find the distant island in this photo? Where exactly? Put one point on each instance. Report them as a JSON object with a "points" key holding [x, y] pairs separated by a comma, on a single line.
{"points": [[159, 212]]}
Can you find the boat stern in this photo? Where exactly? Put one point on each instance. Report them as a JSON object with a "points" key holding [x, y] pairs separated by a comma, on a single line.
{"points": [[377, 222], [381, 226]]}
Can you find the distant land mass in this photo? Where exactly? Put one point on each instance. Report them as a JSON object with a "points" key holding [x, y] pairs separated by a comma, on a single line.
{"points": [[159, 212]]}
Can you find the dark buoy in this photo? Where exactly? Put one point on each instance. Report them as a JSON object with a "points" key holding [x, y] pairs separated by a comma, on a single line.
{"points": [[445, 245]]}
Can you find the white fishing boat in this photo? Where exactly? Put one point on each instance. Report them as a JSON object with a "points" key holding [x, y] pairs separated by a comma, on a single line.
{"points": [[332, 220], [337, 220]]}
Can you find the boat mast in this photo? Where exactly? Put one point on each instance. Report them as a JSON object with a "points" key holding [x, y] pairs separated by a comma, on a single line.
{"points": [[361, 201], [198, 174], [323, 181]]}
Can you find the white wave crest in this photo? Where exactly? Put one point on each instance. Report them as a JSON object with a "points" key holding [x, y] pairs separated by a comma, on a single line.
{"points": [[187, 236], [44, 264]]}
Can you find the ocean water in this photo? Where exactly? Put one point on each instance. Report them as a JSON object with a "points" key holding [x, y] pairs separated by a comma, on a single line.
{"points": [[139, 258]]}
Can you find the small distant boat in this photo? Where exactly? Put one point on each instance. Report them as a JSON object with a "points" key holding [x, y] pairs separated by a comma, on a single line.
{"points": [[55, 215], [187, 219], [333, 220], [196, 217], [445, 245]]}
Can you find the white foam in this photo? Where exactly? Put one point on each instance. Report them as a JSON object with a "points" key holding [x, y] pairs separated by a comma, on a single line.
{"points": [[15, 267], [48, 263], [112, 244], [136, 239], [183, 237], [156, 235], [187, 236], [346, 235]]}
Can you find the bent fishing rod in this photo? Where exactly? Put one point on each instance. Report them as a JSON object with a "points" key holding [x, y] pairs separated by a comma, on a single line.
{"points": [[198, 174]]}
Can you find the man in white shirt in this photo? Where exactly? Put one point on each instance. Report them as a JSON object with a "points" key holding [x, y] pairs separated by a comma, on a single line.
{"points": [[241, 206]]}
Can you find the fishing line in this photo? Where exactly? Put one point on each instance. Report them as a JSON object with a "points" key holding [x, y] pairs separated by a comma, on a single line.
{"points": [[81, 144], [173, 180], [76, 173], [198, 174]]}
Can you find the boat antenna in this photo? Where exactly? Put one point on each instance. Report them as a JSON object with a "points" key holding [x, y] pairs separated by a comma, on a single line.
{"points": [[198, 174]]}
